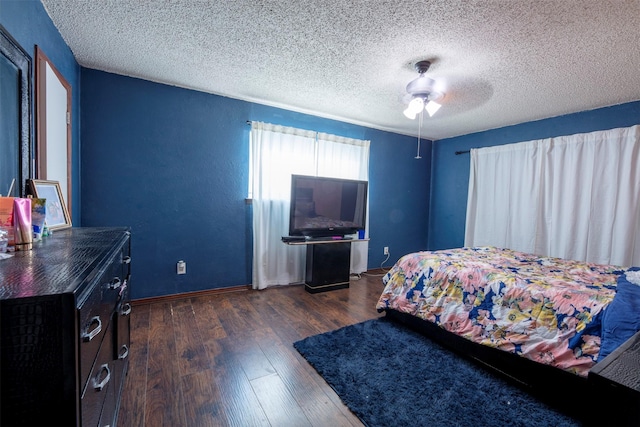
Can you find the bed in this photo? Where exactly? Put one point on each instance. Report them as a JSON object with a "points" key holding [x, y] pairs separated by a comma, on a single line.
{"points": [[543, 321]]}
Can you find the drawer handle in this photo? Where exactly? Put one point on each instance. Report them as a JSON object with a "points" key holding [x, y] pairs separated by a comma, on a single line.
{"points": [[124, 352], [123, 287], [114, 283], [89, 335], [126, 260], [98, 386], [126, 309]]}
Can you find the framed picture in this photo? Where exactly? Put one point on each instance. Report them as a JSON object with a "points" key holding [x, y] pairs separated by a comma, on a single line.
{"points": [[57, 216]]}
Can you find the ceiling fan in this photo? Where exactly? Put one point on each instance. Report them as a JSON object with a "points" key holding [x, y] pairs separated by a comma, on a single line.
{"points": [[423, 95]]}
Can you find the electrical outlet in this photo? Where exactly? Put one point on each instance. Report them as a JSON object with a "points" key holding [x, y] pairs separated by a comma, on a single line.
{"points": [[385, 251], [182, 267]]}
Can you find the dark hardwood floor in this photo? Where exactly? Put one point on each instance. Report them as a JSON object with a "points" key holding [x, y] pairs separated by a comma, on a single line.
{"points": [[228, 360]]}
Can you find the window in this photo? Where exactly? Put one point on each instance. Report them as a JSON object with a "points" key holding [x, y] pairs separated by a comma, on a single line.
{"points": [[277, 152]]}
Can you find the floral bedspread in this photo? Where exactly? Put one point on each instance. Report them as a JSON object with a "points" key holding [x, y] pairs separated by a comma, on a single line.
{"points": [[546, 309]]}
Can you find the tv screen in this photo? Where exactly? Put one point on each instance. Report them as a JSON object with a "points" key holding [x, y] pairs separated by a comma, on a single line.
{"points": [[323, 207]]}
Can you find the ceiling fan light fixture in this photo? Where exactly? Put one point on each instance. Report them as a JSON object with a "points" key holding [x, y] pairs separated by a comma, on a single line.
{"points": [[414, 108], [432, 107], [423, 97], [409, 114], [423, 93], [416, 105]]}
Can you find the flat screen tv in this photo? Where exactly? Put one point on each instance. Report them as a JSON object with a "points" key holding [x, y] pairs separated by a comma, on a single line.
{"points": [[326, 207]]}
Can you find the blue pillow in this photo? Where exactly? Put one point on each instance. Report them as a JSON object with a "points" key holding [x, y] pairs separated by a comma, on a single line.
{"points": [[621, 319]]}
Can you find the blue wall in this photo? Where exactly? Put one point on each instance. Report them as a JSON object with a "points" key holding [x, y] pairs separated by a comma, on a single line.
{"points": [[172, 163], [28, 22], [450, 172]]}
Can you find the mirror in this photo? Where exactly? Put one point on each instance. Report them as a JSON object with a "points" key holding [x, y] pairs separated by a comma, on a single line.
{"points": [[53, 125], [15, 116]]}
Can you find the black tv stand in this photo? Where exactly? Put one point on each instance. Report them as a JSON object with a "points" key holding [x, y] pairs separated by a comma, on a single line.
{"points": [[328, 262]]}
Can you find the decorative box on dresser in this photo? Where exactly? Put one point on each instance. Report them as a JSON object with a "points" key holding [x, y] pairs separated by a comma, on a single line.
{"points": [[64, 313]]}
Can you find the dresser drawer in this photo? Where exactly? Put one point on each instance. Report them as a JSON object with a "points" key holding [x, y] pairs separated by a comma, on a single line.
{"points": [[122, 326], [99, 386], [95, 314], [108, 413]]}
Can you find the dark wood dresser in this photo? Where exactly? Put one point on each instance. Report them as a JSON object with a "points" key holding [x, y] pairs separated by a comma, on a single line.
{"points": [[64, 313]]}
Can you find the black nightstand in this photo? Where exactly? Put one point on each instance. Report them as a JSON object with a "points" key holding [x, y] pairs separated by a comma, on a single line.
{"points": [[615, 384]]}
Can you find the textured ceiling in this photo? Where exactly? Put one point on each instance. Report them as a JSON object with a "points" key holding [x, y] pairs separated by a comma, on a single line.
{"points": [[500, 62]]}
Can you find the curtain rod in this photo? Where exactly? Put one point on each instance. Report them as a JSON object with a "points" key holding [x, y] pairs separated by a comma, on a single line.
{"points": [[457, 153]]}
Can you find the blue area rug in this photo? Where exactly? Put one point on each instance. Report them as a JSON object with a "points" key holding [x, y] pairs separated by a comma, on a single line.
{"points": [[390, 375]]}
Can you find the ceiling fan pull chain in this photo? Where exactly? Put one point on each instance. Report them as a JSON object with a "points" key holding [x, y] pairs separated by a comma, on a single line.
{"points": [[419, 129]]}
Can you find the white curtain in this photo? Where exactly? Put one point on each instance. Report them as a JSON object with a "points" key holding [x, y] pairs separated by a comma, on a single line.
{"points": [[277, 152], [575, 197], [347, 158]]}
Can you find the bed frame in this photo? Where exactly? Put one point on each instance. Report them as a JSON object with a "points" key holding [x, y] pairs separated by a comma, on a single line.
{"points": [[560, 389]]}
